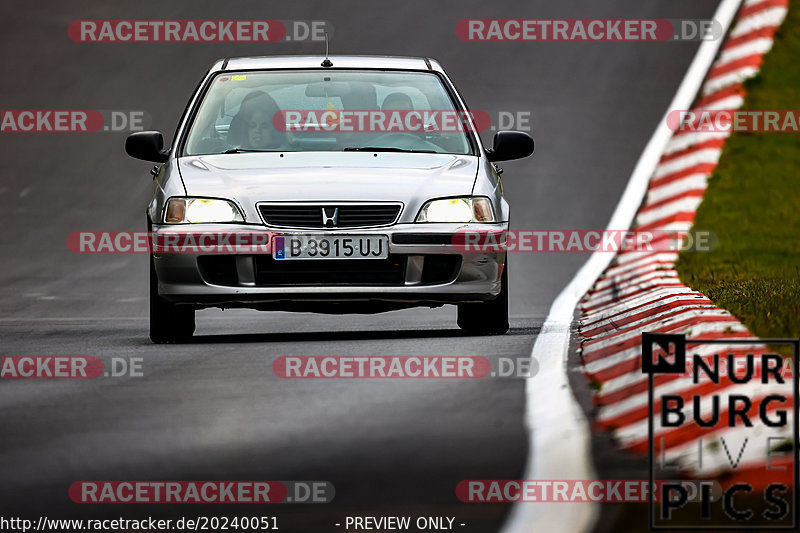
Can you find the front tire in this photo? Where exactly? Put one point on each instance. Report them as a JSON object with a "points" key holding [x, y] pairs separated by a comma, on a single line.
{"points": [[487, 318], [169, 323]]}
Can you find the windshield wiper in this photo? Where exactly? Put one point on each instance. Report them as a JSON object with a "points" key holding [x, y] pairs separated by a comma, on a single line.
{"points": [[244, 150], [385, 149]]}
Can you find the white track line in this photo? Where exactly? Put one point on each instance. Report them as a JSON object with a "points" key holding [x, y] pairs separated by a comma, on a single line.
{"points": [[558, 432]]}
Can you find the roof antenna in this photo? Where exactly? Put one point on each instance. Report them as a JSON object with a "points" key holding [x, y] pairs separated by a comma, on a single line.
{"points": [[327, 63]]}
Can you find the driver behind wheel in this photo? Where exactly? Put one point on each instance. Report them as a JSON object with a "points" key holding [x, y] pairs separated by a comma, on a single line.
{"points": [[252, 128], [397, 102]]}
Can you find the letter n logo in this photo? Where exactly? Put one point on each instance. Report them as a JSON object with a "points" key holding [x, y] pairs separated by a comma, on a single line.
{"points": [[663, 353]]}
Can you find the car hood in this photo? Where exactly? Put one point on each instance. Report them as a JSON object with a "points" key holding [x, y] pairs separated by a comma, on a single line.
{"points": [[250, 178]]}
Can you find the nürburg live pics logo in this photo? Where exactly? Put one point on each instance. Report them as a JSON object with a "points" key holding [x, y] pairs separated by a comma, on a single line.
{"points": [[722, 410]]}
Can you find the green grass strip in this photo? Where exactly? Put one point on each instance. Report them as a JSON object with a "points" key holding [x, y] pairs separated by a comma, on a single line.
{"points": [[752, 204]]}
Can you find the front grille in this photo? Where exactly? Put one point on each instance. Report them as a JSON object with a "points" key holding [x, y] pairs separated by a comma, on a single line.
{"points": [[273, 272], [311, 215]]}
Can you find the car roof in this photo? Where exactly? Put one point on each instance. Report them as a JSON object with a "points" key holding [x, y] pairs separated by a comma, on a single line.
{"points": [[315, 62]]}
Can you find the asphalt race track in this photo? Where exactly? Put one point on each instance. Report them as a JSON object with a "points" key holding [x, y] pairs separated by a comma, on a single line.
{"points": [[213, 409]]}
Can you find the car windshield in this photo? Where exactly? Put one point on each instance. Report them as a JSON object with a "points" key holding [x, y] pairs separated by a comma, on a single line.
{"points": [[313, 110]]}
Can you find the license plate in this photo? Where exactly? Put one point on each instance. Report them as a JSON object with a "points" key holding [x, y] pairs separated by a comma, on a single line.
{"points": [[330, 247]]}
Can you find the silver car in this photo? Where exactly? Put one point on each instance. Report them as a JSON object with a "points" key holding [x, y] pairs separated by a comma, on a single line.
{"points": [[359, 172]]}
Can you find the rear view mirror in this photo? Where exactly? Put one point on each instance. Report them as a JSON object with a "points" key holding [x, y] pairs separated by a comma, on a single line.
{"points": [[328, 89], [147, 145], [510, 145]]}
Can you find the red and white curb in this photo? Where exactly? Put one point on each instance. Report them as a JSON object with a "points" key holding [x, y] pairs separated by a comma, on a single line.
{"points": [[558, 431], [641, 291]]}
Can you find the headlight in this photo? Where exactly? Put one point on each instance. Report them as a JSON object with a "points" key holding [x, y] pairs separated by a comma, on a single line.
{"points": [[466, 209], [198, 210]]}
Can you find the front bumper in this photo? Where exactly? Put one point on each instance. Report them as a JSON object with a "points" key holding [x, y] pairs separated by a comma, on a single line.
{"points": [[426, 267]]}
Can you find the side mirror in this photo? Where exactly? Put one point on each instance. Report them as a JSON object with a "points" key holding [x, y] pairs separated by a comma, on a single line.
{"points": [[509, 145], [147, 145]]}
